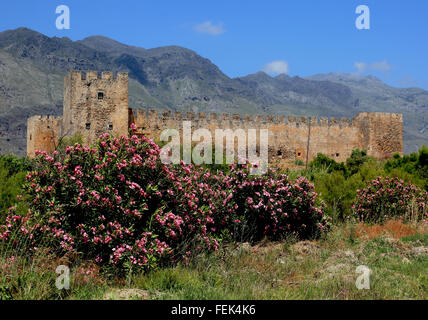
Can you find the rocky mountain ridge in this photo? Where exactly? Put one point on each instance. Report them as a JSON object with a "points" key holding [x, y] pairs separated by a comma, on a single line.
{"points": [[32, 67]]}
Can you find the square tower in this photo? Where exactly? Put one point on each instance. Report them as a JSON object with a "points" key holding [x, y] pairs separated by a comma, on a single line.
{"points": [[95, 104], [43, 133]]}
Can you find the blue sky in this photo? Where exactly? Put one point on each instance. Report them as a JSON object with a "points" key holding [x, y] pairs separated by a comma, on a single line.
{"points": [[302, 37]]}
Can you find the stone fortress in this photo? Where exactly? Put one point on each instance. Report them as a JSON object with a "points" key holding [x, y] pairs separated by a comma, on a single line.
{"points": [[97, 103]]}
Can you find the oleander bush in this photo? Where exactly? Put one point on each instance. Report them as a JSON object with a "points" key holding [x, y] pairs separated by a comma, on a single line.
{"points": [[269, 205], [337, 183], [386, 198], [117, 204]]}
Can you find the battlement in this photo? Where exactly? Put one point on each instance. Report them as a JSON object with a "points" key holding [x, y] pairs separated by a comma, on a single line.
{"points": [[44, 118], [290, 136], [152, 116], [76, 75]]}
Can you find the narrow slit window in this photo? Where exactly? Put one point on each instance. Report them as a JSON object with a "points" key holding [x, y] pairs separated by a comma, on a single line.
{"points": [[100, 95], [110, 126], [88, 125]]}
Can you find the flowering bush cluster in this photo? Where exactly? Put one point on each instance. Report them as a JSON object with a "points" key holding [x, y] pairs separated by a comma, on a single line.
{"points": [[117, 204], [388, 198], [268, 205]]}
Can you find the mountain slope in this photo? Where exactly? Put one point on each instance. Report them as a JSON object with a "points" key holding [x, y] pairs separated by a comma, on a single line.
{"points": [[32, 67], [374, 95]]}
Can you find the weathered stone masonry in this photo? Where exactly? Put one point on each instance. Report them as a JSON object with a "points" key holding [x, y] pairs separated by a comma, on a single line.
{"points": [[94, 104]]}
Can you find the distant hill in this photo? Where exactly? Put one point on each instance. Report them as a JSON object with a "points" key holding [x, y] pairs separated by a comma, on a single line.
{"points": [[32, 67]]}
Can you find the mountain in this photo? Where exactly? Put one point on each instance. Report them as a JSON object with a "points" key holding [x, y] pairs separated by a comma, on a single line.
{"points": [[32, 67], [371, 94]]}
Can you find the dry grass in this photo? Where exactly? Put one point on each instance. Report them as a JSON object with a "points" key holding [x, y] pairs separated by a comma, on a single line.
{"points": [[392, 228]]}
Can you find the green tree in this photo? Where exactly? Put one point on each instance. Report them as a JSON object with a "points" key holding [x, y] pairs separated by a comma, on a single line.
{"points": [[356, 160], [322, 162], [415, 164], [338, 193], [12, 176]]}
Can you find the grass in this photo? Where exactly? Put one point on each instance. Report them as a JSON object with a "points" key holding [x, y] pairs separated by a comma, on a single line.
{"points": [[323, 269], [22, 278], [395, 252]]}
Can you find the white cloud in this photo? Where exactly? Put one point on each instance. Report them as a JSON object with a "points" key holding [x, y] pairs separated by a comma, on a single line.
{"points": [[276, 67], [381, 66], [376, 66], [210, 28]]}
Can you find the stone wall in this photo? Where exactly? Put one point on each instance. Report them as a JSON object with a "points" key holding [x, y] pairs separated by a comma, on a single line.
{"points": [[382, 133], [43, 133], [291, 138]]}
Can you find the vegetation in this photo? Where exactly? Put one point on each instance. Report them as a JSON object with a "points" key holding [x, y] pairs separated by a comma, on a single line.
{"points": [[12, 177], [385, 198], [118, 205], [321, 269], [415, 164], [338, 183], [120, 218]]}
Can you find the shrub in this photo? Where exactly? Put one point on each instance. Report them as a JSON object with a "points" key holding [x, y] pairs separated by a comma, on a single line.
{"points": [[356, 160], [116, 203], [299, 162], [389, 198], [415, 164], [322, 162], [64, 142], [338, 193], [268, 205], [12, 177]]}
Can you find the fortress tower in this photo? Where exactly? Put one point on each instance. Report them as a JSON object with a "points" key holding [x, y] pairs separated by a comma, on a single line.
{"points": [[95, 104]]}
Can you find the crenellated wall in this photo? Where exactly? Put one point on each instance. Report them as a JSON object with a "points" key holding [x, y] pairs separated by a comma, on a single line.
{"points": [[378, 133], [88, 113]]}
